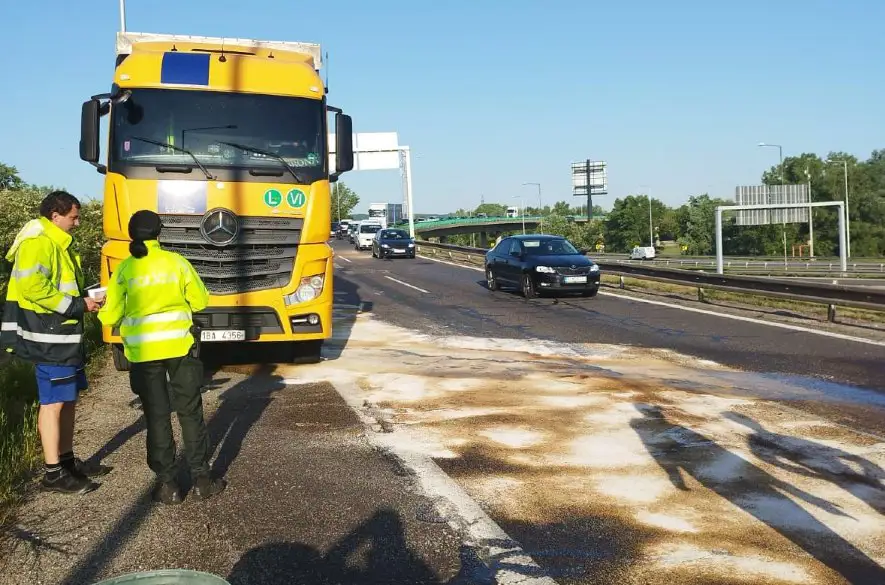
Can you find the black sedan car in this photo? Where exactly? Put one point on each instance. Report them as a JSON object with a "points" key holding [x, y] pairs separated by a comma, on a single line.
{"points": [[393, 242], [540, 263]]}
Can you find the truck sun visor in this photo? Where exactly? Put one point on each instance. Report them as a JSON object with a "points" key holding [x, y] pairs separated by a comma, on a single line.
{"points": [[185, 68]]}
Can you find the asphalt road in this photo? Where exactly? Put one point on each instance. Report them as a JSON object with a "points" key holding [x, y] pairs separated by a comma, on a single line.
{"points": [[441, 298]]}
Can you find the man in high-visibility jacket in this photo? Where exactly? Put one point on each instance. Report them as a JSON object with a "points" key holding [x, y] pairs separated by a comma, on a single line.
{"points": [[43, 324], [152, 296]]}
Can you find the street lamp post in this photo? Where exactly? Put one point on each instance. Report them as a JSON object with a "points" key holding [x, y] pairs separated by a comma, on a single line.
{"points": [[538, 185], [847, 214], [651, 229], [521, 205], [780, 150]]}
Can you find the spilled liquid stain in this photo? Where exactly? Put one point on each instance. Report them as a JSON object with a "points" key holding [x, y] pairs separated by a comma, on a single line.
{"points": [[616, 464]]}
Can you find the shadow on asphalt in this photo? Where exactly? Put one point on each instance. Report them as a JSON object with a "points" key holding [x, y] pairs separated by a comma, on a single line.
{"points": [[240, 408], [783, 514], [379, 544]]}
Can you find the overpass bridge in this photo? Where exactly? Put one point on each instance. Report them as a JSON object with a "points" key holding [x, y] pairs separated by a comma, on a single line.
{"points": [[487, 227]]}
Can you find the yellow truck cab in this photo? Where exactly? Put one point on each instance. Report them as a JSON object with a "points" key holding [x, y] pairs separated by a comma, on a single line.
{"points": [[228, 141]]}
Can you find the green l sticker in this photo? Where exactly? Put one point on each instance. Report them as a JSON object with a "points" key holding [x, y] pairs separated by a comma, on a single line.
{"points": [[296, 198], [272, 197]]}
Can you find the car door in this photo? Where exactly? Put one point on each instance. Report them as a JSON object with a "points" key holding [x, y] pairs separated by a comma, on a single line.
{"points": [[498, 259], [511, 262]]}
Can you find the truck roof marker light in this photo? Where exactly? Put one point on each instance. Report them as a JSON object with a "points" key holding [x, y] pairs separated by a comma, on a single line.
{"points": [[314, 88]]}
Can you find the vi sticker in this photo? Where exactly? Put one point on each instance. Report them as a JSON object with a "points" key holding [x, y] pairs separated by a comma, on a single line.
{"points": [[296, 198]]}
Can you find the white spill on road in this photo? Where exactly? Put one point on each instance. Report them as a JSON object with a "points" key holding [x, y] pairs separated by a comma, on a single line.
{"points": [[613, 464]]}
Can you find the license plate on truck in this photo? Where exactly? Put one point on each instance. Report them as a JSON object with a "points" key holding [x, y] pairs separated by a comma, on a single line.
{"points": [[222, 335], [574, 279]]}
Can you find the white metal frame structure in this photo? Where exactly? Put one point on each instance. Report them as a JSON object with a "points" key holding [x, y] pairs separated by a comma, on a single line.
{"points": [[843, 254]]}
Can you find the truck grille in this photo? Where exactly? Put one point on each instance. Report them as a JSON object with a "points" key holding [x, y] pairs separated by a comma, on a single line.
{"points": [[261, 257]]}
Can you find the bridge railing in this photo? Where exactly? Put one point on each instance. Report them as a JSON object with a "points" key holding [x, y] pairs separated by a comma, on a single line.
{"points": [[832, 295], [419, 225]]}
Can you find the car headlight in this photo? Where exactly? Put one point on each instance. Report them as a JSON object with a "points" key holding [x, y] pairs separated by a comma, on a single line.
{"points": [[384, 246], [310, 288], [594, 268], [546, 269], [412, 245]]}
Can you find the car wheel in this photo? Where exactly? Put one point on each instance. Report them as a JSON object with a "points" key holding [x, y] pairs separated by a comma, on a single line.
{"points": [[491, 281], [374, 255], [528, 287]]}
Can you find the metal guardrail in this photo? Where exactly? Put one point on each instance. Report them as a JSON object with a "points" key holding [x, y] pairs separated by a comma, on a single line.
{"points": [[832, 295]]}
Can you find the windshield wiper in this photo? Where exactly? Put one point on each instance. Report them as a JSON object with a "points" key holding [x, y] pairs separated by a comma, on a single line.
{"points": [[178, 149], [273, 155]]}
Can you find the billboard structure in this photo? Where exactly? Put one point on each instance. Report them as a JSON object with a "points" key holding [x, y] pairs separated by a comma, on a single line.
{"points": [[772, 195], [589, 178], [382, 151]]}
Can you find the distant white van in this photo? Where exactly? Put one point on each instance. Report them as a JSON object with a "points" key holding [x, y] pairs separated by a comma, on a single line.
{"points": [[642, 253]]}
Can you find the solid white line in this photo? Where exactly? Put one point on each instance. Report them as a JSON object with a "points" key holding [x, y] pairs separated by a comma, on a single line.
{"points": [[407, 284], [346, 259], [750, 320], [713, 313], [508, 561]]}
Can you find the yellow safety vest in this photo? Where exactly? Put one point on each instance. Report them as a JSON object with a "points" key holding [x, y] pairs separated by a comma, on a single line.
{"points": [[152, 299], [43, 312]]}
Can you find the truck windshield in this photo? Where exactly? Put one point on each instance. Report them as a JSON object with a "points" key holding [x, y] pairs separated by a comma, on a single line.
{"points": [[202, 122]]}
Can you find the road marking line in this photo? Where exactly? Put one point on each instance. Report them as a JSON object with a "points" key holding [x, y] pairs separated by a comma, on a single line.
{"points": [[509, 562], [346, 259], [713, 313], [750, 320], [407, 284]]}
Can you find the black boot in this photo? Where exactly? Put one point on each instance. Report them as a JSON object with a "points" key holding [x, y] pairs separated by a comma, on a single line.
{"points": [[167, 492], [205, 487]]}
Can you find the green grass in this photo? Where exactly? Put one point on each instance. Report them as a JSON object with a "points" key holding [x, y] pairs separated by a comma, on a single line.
{"points": [[20, 449]]}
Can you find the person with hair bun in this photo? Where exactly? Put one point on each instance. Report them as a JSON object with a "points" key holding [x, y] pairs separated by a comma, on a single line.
{"points": [[152, 297]]}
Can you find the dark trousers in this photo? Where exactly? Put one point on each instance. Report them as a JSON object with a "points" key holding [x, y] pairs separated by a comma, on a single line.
{"points": [[164, 386]]}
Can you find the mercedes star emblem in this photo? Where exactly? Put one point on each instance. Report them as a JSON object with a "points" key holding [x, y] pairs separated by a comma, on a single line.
{"points": [[220, 227]]}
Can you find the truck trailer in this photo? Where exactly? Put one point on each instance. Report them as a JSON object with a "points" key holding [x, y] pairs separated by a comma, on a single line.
{"points": [[228, 141]]}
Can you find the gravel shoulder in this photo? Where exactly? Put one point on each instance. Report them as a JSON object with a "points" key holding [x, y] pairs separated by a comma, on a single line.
{"points": [[309, 498]]}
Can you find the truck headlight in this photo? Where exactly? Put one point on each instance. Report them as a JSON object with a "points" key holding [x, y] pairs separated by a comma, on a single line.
{"points": [[545, 269], [310, 288]]}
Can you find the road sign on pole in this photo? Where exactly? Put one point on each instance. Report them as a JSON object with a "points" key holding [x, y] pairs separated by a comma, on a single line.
{"points": [[589, 178]]}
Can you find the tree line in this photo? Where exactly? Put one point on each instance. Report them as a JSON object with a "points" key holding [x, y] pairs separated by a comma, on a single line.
{"points": [[691, 226]]}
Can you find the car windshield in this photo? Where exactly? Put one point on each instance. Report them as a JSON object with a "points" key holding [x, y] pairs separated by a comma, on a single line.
{"points": [[394, 235], [369, 229], [209, 123], [548, 247]]}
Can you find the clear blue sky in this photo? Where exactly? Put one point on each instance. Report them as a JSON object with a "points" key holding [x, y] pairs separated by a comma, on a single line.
{"points": [[490, 94]]}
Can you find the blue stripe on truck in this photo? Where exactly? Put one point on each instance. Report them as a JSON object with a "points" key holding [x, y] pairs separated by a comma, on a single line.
{"points": [[185, 68]]}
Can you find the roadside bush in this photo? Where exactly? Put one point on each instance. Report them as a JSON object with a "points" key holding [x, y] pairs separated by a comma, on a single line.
{"points": [[19, 441]]}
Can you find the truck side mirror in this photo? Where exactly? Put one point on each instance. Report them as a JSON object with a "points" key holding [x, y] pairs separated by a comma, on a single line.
{"points": [[89, 133], [343, 143]]}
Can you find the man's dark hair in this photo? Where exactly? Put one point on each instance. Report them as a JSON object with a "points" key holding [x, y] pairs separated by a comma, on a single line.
{"points": [[60, 202]]}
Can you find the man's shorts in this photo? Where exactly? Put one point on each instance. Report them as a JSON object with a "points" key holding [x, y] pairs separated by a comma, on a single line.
{"points": [[59, 383]]}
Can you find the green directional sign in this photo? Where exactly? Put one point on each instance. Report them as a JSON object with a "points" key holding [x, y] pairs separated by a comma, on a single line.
{"points": [[272, 197], [296, 198]]}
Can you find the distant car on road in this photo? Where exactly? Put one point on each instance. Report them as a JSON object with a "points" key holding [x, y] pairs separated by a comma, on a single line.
{"points": [[365, 234], [335, 227], [541, 263], [393, 242]]}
